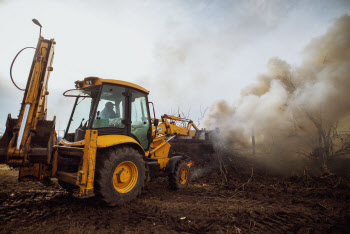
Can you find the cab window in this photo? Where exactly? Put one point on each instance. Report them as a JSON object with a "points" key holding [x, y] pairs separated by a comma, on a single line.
{"points": [[110, 110], [140, 123]]}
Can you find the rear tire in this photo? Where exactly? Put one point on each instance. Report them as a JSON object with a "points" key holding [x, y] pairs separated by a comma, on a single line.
{"points": [[179, 179], [120, 175]]}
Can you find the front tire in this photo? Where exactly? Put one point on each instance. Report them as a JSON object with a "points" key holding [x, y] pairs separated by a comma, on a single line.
{"points": [[179, 179], [120, 175]]}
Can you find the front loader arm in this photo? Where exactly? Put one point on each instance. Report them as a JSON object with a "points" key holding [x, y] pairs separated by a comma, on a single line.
{"points": [[173, 125], [169, 127]]}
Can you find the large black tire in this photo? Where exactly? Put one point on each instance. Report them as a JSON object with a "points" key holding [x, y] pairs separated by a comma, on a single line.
{"points": [[119, 175], [67, 186], [179, 179]]}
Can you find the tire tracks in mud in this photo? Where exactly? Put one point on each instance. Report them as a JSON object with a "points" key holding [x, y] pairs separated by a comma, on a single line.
{"points": [[28, 204], [197, 208], [178, 212], [208, 212]]}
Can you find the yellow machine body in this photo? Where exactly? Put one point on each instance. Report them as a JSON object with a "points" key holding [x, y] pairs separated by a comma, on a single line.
{"points": [[28, 142]]}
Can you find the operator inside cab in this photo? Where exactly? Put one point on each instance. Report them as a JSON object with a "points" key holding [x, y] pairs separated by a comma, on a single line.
{"points": [[109, 116], [108, 112]]}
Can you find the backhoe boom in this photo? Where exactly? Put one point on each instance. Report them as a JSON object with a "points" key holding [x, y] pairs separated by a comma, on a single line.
{"points": [[29, 138]]}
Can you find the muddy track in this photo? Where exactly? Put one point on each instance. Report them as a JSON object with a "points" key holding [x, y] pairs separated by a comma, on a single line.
{"points": [[202, 207]]}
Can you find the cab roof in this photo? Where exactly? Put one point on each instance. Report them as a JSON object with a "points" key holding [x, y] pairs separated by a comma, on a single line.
{"points": [[93, 81]]}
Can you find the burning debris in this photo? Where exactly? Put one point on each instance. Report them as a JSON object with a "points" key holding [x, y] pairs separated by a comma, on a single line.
{"points": [[191, 164]]}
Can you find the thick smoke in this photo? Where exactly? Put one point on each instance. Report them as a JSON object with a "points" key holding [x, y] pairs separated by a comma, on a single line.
{"points": [[290, 107]]}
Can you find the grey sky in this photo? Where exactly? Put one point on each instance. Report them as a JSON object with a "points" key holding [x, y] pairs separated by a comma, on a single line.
{"points": [[187, 53]]}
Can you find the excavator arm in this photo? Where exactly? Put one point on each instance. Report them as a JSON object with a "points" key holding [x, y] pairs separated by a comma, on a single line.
{"points": [[28, 140]]}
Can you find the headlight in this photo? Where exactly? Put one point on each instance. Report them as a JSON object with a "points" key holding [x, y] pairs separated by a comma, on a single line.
{"points": [[89, 82]]}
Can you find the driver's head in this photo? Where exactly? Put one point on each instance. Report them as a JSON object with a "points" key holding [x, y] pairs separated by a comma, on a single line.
{"points": [[109, 105]]}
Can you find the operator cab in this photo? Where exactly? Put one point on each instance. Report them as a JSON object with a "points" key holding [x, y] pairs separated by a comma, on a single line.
{"points": [[112, 107]]}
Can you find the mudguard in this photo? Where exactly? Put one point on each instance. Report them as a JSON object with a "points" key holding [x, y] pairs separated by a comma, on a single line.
{"points": [[170, 166], [112, 140]]}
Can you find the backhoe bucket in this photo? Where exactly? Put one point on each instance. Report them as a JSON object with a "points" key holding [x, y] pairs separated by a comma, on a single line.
{"points": [[41, 145], [40, 148], [6, 138]]}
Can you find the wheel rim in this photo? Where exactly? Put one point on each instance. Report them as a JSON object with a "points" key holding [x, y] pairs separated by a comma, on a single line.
{"points": [[125, 177], [183, 175]]}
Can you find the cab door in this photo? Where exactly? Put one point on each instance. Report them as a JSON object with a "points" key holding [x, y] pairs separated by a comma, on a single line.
{"points": [[140, 119]]}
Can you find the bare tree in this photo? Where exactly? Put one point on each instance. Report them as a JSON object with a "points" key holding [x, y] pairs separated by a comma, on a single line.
{"points": [[326, 130], [329, 143], [202, 112]]}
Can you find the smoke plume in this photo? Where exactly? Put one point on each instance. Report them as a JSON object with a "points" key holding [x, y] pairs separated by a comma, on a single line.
{"points": [[293, 109]]}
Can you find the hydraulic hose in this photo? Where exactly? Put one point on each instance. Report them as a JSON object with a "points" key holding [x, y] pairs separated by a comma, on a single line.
{"points": [[13, 61]]}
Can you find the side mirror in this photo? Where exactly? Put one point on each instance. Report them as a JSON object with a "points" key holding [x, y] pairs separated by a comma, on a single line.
{"points": [[155, 122]]}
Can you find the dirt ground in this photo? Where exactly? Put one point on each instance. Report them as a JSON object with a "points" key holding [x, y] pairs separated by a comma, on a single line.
{"points": [[250, 204]]}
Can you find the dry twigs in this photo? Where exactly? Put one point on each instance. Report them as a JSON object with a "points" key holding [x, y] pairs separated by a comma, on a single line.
{"points": [[246, 183]]}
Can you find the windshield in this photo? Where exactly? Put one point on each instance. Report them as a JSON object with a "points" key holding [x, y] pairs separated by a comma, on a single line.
{"points": [[83, 108]]}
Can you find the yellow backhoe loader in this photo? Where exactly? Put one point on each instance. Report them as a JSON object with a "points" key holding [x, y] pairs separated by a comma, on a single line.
{"points": [[111, 146]]}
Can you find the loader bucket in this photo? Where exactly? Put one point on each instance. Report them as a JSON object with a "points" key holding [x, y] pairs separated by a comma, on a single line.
{"points": [[192, 146], [197, 147]]}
